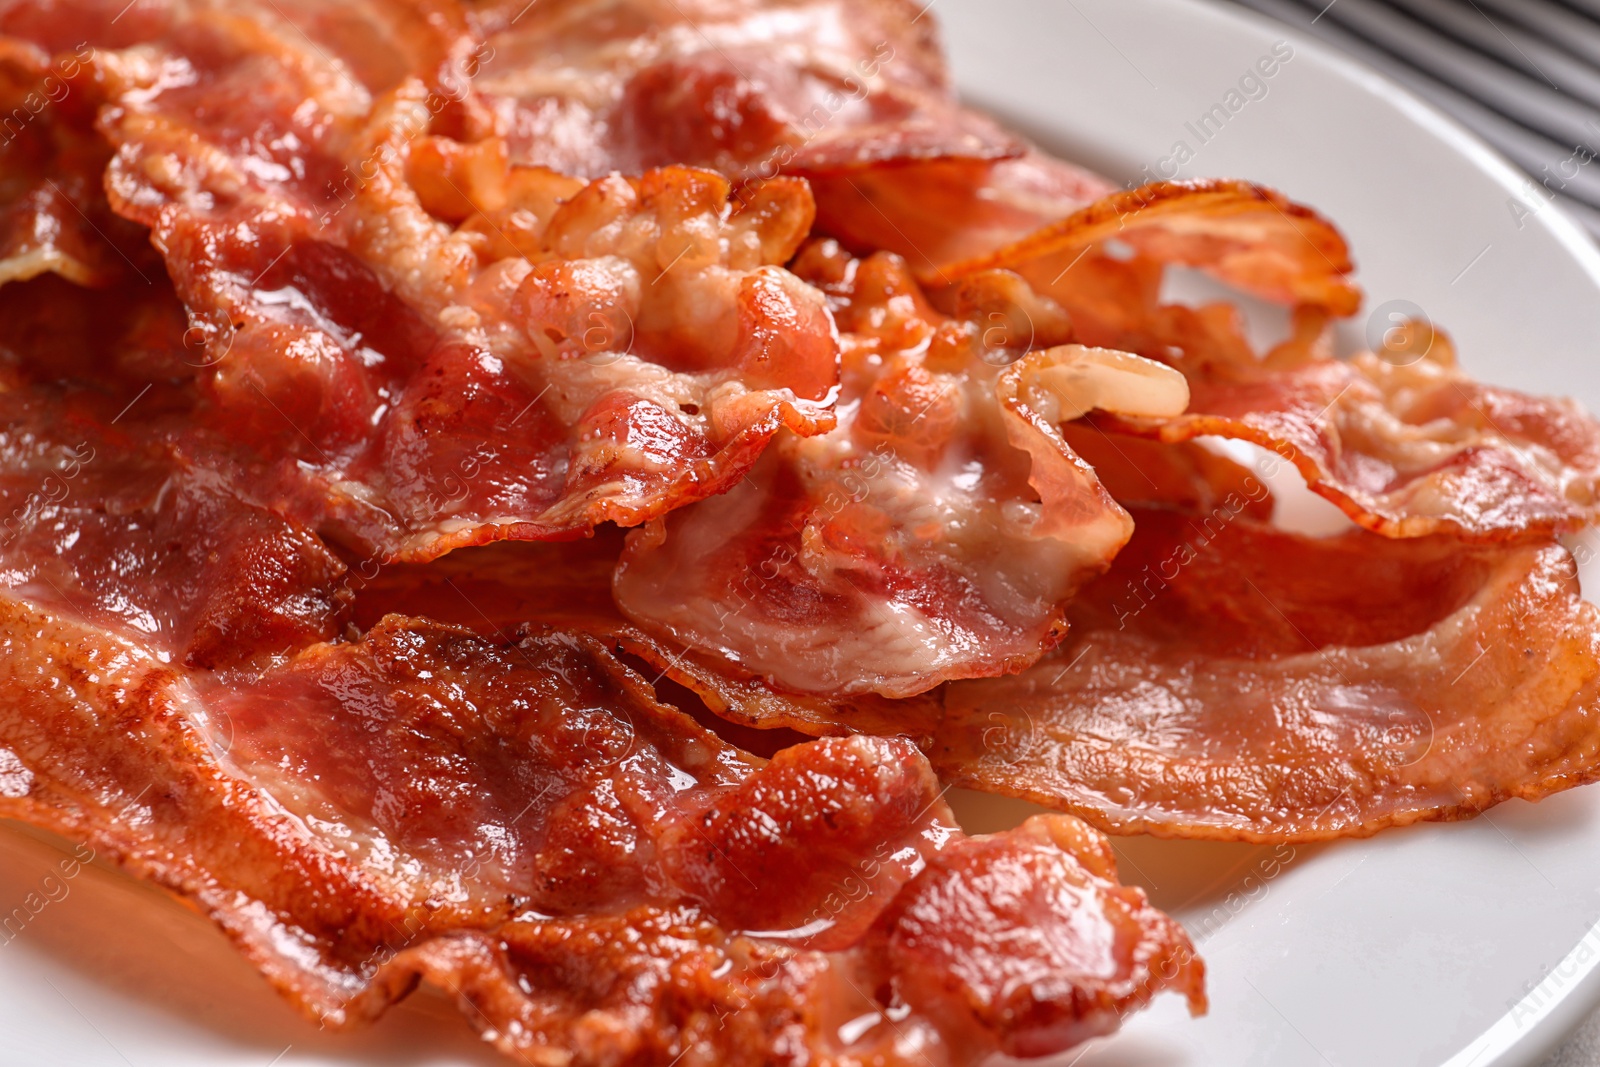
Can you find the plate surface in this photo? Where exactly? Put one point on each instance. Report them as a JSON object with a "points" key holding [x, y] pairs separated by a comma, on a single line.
{"points": [[1467, 945]]}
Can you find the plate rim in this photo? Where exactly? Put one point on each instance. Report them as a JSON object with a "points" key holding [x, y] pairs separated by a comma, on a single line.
{"points": [[1573, 239]]}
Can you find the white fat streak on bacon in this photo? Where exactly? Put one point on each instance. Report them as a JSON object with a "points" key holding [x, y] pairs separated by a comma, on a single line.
{"points": [[205, 789], [751, 89], [1361, 683], [1408, 445], [913, 558], [711, 348]]}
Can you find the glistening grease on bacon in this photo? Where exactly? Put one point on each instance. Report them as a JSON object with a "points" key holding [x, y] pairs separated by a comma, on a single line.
{"points": [[588, 871], [1401, 439], [854, 97], [936, 533], [443, 441], [413, 374], [1226, 680], [109, 521]]}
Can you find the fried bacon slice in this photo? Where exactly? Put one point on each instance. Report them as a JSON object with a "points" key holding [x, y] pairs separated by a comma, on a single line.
{"points": [[53, 215], [1249, 236], [936, 533], [408, 384], [750, 89], [1231, 681], [666, 345], [1401, 440], [588, 871], [854, 97], [1406, 443]]}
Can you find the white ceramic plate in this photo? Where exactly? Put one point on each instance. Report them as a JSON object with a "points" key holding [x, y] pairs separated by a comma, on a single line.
{"points": [[1469, 945]]}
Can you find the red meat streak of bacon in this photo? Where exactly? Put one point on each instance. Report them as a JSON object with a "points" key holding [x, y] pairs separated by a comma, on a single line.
{"points": [[519, 821]]}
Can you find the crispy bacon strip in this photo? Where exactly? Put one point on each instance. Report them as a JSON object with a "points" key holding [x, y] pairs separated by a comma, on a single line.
{"points": [[591, 873], [1247, 235], [1406, 444], [1403, 441], [53, 215], [413, 383], [936, 534], [670, 346], [1229, 681], [854, 97], [752, 89]]}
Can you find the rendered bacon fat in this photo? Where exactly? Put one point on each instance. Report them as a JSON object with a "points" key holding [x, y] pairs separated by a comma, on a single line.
{"points": [[1226, 680], [1406, 444], [853, 96], [408, 384], [523, 825], [936, 534], [1401, 439]]}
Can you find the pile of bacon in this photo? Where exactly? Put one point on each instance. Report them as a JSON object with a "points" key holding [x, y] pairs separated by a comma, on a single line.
{"points": [[544, 497]]}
